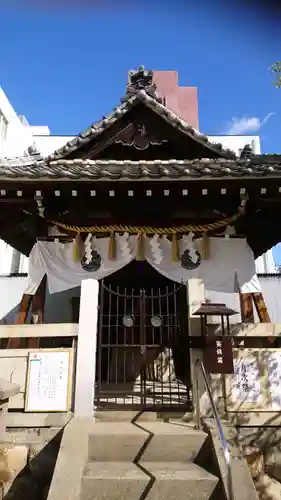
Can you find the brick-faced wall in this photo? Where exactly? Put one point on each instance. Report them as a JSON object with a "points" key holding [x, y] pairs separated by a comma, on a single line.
{"points": [[182, 100]]}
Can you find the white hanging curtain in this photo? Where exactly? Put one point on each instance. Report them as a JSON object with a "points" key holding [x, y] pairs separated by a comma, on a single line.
{"points": [[230, 262], [64, 272]]}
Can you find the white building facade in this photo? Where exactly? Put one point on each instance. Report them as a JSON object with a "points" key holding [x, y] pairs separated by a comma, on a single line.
{"points": [[18, 138]]}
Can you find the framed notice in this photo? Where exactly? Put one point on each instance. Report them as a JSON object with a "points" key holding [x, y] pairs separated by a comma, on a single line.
{"points": [[255, 384], [273, 363], [48, 387], [245, 388], [246, 380]]}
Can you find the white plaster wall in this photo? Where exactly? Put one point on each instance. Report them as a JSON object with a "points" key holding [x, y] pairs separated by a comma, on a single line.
{"points": [[58, 308], [11, 291], [6, 255], [237, 142], [38, 130], [48, 144], [265, 264], [19, 136]]}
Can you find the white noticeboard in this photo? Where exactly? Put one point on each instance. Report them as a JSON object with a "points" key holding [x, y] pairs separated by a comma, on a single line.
{"points": [[48, 381], [274, 374], [246, 381]]}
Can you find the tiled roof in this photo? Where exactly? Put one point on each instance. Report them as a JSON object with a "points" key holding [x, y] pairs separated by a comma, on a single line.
{"points": [[141, 96], [21, 169]]}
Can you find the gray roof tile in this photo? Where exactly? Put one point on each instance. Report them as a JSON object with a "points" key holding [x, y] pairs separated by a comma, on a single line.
{"points": [[141, 96], [22, 169]]}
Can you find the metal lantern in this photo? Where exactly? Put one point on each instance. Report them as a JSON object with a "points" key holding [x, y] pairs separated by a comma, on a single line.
{"points": [[217, 353], [208, 309]]}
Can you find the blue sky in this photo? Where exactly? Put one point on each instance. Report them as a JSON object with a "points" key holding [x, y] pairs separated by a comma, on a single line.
{"points": [[65, 68]]}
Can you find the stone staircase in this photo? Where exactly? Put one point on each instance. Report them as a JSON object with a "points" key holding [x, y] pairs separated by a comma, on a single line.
{"points": [[143, 459]]}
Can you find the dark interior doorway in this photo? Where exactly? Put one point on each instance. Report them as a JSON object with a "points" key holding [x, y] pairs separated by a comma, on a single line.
{"points": [[143, 354]]}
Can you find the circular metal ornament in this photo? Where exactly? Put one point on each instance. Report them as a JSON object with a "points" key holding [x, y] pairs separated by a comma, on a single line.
{"points": [[128, 321], [94, 263], [188, 261], [156, 321]]}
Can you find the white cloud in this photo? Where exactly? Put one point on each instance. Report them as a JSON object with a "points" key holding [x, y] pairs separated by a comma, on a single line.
{"points": [[246, 124]]}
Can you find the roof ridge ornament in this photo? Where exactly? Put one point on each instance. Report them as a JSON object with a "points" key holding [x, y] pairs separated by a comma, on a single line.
{"points": [[142, 79], [246, 153]]}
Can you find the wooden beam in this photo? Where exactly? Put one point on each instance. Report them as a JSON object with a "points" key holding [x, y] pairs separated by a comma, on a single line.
{"points": [[261, 308], [20, 419], [246, 307], [105, 139], [46, 330]]}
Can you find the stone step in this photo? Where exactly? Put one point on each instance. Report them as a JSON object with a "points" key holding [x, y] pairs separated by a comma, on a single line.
{"points": [[145, 416], [124, 416], [154, 441], [161, 481], [179, 481]]}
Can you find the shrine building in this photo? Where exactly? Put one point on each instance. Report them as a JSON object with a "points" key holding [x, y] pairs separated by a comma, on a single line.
{"points": [[142, 202]]}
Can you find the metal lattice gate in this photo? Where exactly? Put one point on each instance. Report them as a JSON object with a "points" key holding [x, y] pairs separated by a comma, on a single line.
{"points": [[143, 353]]}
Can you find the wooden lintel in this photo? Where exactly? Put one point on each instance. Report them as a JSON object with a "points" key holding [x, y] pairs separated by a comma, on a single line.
{"points": [[16, 201], [45, 330]]}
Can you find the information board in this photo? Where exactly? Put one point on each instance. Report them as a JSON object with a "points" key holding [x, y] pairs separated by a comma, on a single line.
{"points": [[246, 380], [48, 385], [255, 385]]}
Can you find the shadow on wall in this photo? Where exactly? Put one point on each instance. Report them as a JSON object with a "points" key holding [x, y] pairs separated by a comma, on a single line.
{"points": [[58, 307]]}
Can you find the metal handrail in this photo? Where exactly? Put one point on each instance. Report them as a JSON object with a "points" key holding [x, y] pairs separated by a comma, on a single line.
{"points": [[200, 365]]}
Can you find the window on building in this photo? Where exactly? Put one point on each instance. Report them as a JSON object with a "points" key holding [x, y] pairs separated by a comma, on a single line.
{"points": [[3, 127]]}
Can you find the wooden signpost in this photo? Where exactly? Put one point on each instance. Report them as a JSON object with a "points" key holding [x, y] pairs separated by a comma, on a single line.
{"points": [[218, 355]]}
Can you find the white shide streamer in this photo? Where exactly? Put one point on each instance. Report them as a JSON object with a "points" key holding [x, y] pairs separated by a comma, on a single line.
{"points": [[125, 246], [156, 250], [88, 249], [190, 245]]}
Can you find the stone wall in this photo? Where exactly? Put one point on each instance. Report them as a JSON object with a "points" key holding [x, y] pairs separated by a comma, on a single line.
{"points": [[262, 446], [27, 461]]}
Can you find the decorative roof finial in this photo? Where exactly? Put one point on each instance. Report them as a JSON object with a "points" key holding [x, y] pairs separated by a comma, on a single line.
{"points": [[246, 152], [141, 79]]}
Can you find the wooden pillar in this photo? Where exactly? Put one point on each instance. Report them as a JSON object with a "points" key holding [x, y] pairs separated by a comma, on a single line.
{"points": [[247, 303], [261, 308], [38, 303], [24, 306], [87, 350], [37, 310], [195, 297], [246, 307]]}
